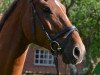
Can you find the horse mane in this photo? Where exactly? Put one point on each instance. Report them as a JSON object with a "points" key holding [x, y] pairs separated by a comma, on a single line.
{"points": [[8, 13]]}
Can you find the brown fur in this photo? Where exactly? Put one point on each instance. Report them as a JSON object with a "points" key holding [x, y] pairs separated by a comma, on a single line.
{"points": [[16, 33], [7, 13]]}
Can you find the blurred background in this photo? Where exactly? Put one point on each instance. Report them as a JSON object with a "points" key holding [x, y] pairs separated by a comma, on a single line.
{"points": [[85, 14]]}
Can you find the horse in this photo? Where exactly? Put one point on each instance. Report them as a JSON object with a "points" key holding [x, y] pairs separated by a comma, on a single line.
{"points": [[43, 22]]}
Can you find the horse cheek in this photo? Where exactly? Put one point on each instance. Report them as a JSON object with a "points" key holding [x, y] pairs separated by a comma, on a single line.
{"points": [[27, 26]]}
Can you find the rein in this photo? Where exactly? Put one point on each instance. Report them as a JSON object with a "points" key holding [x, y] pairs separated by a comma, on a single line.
{"points": [[54, 44]]}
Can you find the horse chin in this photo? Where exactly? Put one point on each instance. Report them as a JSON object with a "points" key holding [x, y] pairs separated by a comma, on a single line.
{"points": [[69, 61]]}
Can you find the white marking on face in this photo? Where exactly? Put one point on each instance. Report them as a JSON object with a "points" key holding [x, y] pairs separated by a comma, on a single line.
{"points": [[61, 9], [58, 4]]}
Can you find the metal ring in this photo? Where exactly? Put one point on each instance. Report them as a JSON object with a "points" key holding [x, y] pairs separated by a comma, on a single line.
{"points": [[55, 46]]}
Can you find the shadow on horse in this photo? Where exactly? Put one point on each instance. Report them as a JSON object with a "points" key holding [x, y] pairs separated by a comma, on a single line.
{"points": [[43, 22]]}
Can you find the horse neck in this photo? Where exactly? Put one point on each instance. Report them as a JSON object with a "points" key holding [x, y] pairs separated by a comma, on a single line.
{"points": [[12, 48], [12, 45]]}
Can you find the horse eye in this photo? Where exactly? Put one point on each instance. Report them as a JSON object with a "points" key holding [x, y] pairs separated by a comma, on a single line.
{"points": [[46, 10]]}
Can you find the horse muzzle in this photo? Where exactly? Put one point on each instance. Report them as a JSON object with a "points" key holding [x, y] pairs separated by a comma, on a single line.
{"points": [[73, 56]]}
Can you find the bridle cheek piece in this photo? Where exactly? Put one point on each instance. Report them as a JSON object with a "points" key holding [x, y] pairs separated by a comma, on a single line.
{"points": [[54, 45]]}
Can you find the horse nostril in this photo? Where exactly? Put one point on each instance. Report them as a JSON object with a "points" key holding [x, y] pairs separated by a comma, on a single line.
{"points": [[76, 52]]}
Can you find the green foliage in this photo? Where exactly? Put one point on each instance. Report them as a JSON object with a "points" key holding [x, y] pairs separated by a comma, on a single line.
{"points": [[97, 69], [4, 4], [86, 15]]}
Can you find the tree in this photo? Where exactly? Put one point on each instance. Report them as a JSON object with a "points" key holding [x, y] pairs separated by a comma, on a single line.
{"points": [[86, 15], [4, 4]]}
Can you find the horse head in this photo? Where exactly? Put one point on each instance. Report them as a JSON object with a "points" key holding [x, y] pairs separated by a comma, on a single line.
{"points": [[51, 28]]}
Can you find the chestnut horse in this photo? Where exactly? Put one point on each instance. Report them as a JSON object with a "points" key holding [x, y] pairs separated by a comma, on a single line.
{"points": [[43, 22]]}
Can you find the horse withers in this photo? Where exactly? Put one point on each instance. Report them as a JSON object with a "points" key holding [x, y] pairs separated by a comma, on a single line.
{"points": [[43, 22]]}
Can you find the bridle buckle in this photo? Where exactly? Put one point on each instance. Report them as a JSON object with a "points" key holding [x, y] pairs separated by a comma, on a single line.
{"points": [[55, 47]]}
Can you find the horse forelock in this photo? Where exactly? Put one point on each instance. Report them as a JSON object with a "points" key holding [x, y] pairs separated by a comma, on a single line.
{"points": [[7, 13]]}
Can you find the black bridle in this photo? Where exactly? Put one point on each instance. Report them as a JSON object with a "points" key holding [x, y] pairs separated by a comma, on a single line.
{"points": [[54, 44]]}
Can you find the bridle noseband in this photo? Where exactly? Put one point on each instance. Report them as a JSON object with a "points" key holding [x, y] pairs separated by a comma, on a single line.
{"points": [[68, 31], [54, 44]]}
